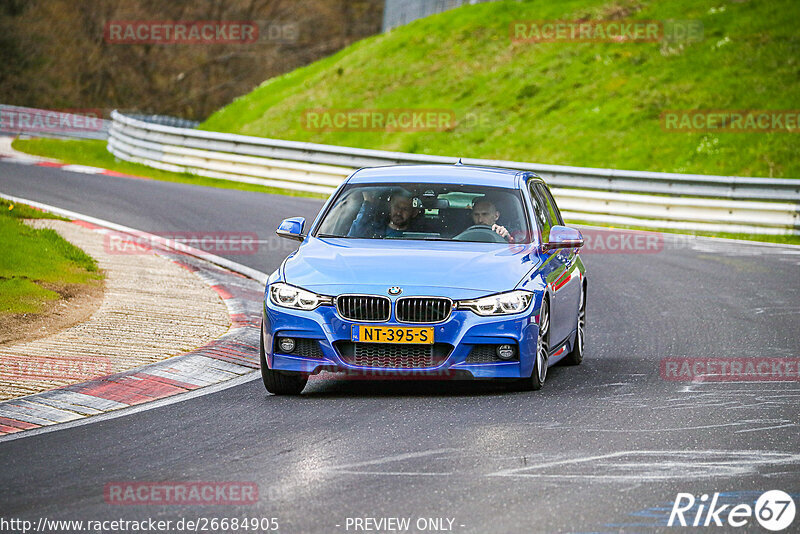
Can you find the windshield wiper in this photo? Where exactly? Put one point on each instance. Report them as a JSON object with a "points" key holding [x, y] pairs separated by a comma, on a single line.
{"points": [[331, 235]]}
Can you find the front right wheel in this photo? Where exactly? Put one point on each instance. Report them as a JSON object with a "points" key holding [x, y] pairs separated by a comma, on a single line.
{"points": [[278, 382]]}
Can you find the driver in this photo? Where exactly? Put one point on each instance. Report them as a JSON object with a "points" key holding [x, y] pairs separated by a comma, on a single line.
{"points": [[369, 223], [486, 213]]}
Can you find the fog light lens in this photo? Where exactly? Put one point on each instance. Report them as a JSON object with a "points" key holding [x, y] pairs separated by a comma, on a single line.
{"points": [[505, 352], [286, 344]]}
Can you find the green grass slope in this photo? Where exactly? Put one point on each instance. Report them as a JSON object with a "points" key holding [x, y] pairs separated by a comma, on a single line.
{"points": [[585, 104]]}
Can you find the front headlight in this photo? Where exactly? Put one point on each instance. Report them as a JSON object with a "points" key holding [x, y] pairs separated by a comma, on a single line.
{"points": [[503, 304], [296, 298]]}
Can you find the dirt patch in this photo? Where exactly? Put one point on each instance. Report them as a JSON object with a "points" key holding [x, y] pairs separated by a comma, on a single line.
{"points": [[77, 303], [619, 11]]}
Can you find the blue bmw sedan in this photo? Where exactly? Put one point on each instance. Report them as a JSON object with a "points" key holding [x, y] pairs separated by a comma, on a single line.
{"points": [[428, 271]]}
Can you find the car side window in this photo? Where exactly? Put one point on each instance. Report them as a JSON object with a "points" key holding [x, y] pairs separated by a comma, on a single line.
{"points": [[540, 212], [552, 207]]}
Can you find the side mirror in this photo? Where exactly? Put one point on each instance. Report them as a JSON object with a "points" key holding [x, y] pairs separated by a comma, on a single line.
{"points": [[563, 237], [292, 228]]}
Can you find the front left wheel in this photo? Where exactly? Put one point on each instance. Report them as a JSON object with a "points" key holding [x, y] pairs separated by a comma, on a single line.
{"points": [[280, 382], [575, 357], [539, 373]]}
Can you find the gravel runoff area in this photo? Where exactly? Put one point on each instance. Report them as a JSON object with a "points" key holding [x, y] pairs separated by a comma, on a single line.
{"points": [[152, 309]]}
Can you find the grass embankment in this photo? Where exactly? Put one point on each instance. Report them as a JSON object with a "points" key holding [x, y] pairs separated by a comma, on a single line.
{"points": [[93, 153], [37, 266], [589, 104]]}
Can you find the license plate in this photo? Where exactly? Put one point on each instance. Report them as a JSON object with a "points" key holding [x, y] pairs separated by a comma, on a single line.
{"points": [[392, 334]]}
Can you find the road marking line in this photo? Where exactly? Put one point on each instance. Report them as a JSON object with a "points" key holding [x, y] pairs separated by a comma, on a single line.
{"points": [[737, 462], [395, 458], [389, 473]]}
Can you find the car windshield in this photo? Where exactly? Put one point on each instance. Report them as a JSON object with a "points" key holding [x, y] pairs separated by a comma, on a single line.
{"points": [[419, 211]]}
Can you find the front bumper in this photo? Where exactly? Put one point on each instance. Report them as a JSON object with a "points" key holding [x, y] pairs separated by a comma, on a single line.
{"points": [[463, 331]]}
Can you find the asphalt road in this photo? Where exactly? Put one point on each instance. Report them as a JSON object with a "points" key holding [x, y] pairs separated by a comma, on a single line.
{"points": [[167, 208], [604, 447]]}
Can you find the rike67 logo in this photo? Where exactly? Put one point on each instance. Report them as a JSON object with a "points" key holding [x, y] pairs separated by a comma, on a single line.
{"points": [[774, 510]]}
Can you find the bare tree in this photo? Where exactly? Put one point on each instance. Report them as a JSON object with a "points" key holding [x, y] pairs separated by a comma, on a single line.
{"points": [[54, 52]]}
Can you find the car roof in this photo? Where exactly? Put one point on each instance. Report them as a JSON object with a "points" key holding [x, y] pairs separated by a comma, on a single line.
{"points": [[438, 174]]}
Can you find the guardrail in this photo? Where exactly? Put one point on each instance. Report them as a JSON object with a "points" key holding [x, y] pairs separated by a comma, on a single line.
{"points": [[164, 120], [399, 12], [649, 199]]}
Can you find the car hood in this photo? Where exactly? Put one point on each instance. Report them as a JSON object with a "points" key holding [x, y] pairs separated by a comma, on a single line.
{"points": [[453, 269]]}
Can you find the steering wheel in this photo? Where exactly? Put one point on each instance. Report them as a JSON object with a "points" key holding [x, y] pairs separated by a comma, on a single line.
{"points": [[482, 233]]}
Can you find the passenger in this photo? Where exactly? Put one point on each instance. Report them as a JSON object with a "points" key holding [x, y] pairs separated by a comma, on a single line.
{"points": [[372, 223]]}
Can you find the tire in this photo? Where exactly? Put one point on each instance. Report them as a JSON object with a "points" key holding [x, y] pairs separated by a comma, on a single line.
{"points": [[575, 357], [539, 373], [277, 382]]}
